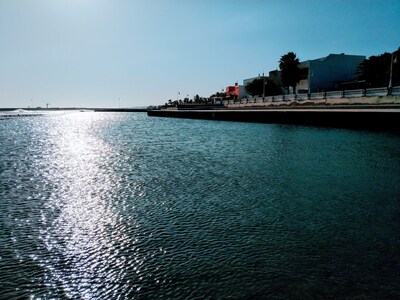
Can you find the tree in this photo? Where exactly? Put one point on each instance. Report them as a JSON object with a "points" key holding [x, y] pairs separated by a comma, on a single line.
{"points": [[218, 94], [375, 70], [255, 87], [290, 72]]}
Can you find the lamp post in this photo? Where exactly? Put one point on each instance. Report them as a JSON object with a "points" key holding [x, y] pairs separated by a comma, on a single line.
{"points": [[391, 75], [263, 86]]}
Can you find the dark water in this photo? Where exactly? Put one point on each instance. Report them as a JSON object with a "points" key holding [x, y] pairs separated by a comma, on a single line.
{"points": [[122, 206]]}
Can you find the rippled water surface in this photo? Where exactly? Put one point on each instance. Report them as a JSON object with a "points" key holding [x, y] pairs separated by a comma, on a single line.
{"points": [[123, 206]]}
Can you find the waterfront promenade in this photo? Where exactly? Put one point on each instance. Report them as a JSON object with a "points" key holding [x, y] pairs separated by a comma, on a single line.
{"points": [[371, 108]]}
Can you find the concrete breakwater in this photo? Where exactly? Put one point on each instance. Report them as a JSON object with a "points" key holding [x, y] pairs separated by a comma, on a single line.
{"points": [[360, 117]]}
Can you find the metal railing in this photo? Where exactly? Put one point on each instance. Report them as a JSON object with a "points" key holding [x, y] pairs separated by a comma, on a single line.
{"points": [[334, 94], [373, 92], [376, 92], [327, 95]]}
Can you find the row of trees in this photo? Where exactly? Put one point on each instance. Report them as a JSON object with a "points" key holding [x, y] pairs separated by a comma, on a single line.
{"points": [[196, 100]]}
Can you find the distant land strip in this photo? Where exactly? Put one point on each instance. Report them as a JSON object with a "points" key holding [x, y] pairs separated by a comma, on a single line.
{"points": [[77, 108]]}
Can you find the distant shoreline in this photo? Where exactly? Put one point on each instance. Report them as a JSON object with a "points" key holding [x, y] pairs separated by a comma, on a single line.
{"points": [[38, 109]]}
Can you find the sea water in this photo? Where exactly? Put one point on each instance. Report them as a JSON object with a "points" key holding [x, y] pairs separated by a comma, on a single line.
{"points": [[124, 206]]}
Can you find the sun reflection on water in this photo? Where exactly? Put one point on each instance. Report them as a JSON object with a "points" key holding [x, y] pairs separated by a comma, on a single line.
{"points": [[121, 206], [81, 231]]}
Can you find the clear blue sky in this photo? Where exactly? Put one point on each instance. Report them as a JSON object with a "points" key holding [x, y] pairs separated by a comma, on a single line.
{"points": [[93, 52]]}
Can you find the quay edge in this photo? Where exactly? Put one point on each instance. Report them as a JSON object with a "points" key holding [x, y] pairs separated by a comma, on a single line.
{"points": [[368, 118]]}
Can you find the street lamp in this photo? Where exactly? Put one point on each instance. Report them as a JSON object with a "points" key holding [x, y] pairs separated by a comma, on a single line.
{"points": [[391, 75], [263, 87]]}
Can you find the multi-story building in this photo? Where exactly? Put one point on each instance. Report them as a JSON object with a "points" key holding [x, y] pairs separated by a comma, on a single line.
{"points": [[328, 72]]}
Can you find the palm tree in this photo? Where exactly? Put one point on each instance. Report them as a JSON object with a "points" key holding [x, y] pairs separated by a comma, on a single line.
{"points": [[290, 72]]}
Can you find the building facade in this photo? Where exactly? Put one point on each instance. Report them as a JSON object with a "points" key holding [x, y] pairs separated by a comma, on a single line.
{"points": [[327, 73], [236, 91]]}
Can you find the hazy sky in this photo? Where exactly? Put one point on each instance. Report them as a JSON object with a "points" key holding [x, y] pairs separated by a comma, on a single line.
{"points": [[93, 52]]}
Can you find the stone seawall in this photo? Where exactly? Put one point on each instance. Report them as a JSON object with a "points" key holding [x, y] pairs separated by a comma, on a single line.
{"points": [[369, 118], [373, 100]]}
